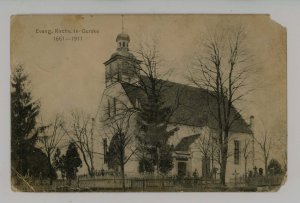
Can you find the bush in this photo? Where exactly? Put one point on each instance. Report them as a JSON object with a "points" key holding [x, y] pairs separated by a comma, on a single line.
{"points": [[274, 167]]}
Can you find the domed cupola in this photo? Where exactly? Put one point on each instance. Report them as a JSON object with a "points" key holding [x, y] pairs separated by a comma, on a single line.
{"points": [[122, 41], [123, 36]]}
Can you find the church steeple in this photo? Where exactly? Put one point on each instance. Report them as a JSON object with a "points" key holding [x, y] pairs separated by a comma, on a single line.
{"points": [[122, 65], [122, 39]]}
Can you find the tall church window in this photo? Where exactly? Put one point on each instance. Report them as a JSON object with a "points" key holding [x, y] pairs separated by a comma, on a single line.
{"points": [[236, 152]]}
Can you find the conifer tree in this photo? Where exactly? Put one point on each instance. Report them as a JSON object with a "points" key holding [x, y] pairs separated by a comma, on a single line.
{"points": [[154, 113], [153, 121], [72, 162], [24, 111]]}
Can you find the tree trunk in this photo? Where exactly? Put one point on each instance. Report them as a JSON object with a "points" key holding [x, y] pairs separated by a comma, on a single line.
{"points": [[158, 154], [223, 166], [86, 162], [50, 171], [245, 167], [266, 167], [92, 172], [224, 151], [123, 177]]}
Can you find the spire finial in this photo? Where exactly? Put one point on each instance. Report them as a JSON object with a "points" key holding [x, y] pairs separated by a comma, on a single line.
{"points": [[122, 24]]}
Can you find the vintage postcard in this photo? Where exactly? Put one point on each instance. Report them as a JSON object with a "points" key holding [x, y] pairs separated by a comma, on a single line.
{"points": [[152, 103]]}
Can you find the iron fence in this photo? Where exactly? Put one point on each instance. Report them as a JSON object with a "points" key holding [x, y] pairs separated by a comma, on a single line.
{"points": [[143, 184]]}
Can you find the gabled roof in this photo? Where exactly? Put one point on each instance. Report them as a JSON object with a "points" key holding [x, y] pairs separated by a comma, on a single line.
{"points": [[185, 143], [195, 105]]}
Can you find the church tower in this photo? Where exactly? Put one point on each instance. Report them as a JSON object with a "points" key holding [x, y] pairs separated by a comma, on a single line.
{"points": [[122, 65]]}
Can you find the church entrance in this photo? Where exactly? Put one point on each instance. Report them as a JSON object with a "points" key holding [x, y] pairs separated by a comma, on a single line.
{"points": [[181, 169]]}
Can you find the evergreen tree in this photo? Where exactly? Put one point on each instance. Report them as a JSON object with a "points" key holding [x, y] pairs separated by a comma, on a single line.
{"points": [[24, 112], [71, 162], [153, 112], [38, 164], [165, 160], [153, 121], [274, 167]]}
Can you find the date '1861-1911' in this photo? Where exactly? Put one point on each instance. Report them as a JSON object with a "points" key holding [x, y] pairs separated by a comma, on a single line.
{"points": [[63, 38]]}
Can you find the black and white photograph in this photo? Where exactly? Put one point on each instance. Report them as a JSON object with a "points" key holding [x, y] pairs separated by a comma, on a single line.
{"points": [[148, 103]]}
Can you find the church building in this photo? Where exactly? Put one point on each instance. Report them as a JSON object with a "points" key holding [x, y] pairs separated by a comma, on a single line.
{"points": [[194, 124]]}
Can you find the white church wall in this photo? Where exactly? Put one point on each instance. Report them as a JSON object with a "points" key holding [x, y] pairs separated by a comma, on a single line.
{"points": [[196, 162], [197, 149], [239, 167], [101, 131], [197, 155]]}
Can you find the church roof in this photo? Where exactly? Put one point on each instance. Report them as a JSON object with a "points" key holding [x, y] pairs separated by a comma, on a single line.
{"points": [[185, 142], [123, 36], [195, 105], [123, 53]]}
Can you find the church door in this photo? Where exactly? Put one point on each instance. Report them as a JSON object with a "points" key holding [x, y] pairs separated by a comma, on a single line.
{"points": [[181, 169]]}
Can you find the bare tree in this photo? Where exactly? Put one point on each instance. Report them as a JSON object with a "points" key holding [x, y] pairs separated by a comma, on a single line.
{"points": [[122, 146], [246, 151], [50, 137], [205, 146], [216, 150], [222, 68], [265, 145], [282, 141], [81, 132]]}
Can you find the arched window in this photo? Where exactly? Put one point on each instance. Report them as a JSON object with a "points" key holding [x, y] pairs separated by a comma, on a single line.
{"points": [[123, 44]]}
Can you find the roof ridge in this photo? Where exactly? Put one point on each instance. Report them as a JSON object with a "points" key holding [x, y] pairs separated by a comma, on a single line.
{"points": [[181, 84]]}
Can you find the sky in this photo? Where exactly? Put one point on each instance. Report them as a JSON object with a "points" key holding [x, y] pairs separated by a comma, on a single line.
{"points": [[67, 75]]}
